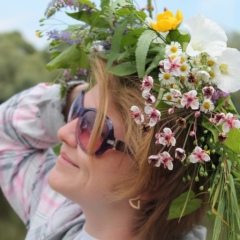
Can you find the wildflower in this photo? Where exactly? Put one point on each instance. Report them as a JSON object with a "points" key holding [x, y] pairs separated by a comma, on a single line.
{"points": [[166, 78], [174, 49], [222, 137], [147, 83], [230, 122], [180, 154], [155, 160], [219, 118], [190, 100], [168, 98], [150, 99], [137, 114], [203, 76], [166, 137], [199, 155], [166, 21], [172, 65], [229, 62], [213, 43], [184, 69], [153, 114], [181, 122], [166, 160], [208, 92], [207, 105]]}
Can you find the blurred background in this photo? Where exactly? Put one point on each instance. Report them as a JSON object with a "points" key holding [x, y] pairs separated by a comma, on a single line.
{"points": [[23, 56]]}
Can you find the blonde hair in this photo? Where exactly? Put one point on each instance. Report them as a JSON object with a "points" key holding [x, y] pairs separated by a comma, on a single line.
{"points": [[158, 185]]}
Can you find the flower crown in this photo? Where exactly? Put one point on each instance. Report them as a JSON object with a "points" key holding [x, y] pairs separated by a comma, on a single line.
{"points": [[193, 73]]}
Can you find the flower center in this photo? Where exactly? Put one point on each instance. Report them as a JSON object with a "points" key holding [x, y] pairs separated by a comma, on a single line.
{"points": [[206, 105], [224, 68], [174, 49], [183, 68], [167, 76], [210, 63]]}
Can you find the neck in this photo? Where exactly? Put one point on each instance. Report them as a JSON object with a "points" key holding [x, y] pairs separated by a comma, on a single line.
{"points": [[113, 221]]}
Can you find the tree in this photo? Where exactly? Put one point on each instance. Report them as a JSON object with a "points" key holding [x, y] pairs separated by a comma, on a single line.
{"points": [[21, 65]]}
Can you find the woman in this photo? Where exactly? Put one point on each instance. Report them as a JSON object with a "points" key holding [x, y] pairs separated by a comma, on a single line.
{"points": [[112, 189], [134, 174]]}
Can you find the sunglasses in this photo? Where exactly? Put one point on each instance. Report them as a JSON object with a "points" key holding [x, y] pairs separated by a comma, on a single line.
{"points": [[86, 118]]}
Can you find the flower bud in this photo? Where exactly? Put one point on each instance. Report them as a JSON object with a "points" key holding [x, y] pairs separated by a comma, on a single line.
{"points": [[197, 179], [201, 188]]}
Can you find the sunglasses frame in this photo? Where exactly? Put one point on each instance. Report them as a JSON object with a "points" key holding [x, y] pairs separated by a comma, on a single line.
{"points": [[77, 110]]}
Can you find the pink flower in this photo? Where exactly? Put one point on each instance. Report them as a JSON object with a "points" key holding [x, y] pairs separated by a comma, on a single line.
{"points": [[199, 155], [166, 160], [166, 138], [147, 83], [153, 114], [190, 100], [137, 114], [155, 160], [172, 65], [230, 122], [150, 99], [180, 154], [208, 92], [218, 119]]}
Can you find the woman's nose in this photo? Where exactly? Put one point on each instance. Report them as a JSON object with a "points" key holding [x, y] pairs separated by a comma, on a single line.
{"points": [[67, 133]]}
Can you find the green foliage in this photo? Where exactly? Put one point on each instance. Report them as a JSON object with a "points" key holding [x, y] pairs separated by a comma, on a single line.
{"points": [[21, 65]]}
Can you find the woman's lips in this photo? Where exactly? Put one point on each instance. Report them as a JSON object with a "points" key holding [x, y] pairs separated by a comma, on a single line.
{"points": [[65, 159]]}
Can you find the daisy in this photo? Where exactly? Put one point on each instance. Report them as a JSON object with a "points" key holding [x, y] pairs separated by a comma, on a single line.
{"points": [[207, 105], [166, 78], [174, 49]]}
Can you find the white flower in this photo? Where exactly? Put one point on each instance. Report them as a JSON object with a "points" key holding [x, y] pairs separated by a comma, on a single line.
{"points": [[168, 98], [207, 105], [206, 36], [166, 78], [203, 76], [184, 69], [174, 49], [229, 65]]}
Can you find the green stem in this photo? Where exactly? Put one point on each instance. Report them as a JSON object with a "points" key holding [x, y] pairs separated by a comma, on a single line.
{"points": [[149, 7]]}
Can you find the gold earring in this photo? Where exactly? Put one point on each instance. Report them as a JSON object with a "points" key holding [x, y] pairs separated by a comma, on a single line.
{"points": [[135, 203]]}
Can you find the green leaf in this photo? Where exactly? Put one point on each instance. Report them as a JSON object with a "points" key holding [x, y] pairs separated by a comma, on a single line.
{"points": [[132, 36], [124, 69], [178, 36], [92, 18], [232, 141], [177, 205], [88, 3], [104, 3], [155, 63], [116, 43], [212, 129], [142, 49], [72, 56]]}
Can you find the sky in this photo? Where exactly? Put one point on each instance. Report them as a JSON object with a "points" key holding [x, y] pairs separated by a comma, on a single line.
{"points": [[24, 15]]}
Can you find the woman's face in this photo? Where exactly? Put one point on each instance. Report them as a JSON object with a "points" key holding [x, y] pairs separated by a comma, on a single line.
{"points": [[82, 179]]}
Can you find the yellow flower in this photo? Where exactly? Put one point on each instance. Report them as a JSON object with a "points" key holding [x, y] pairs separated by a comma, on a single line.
{"points": [[167, 21], [38, 34]]}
